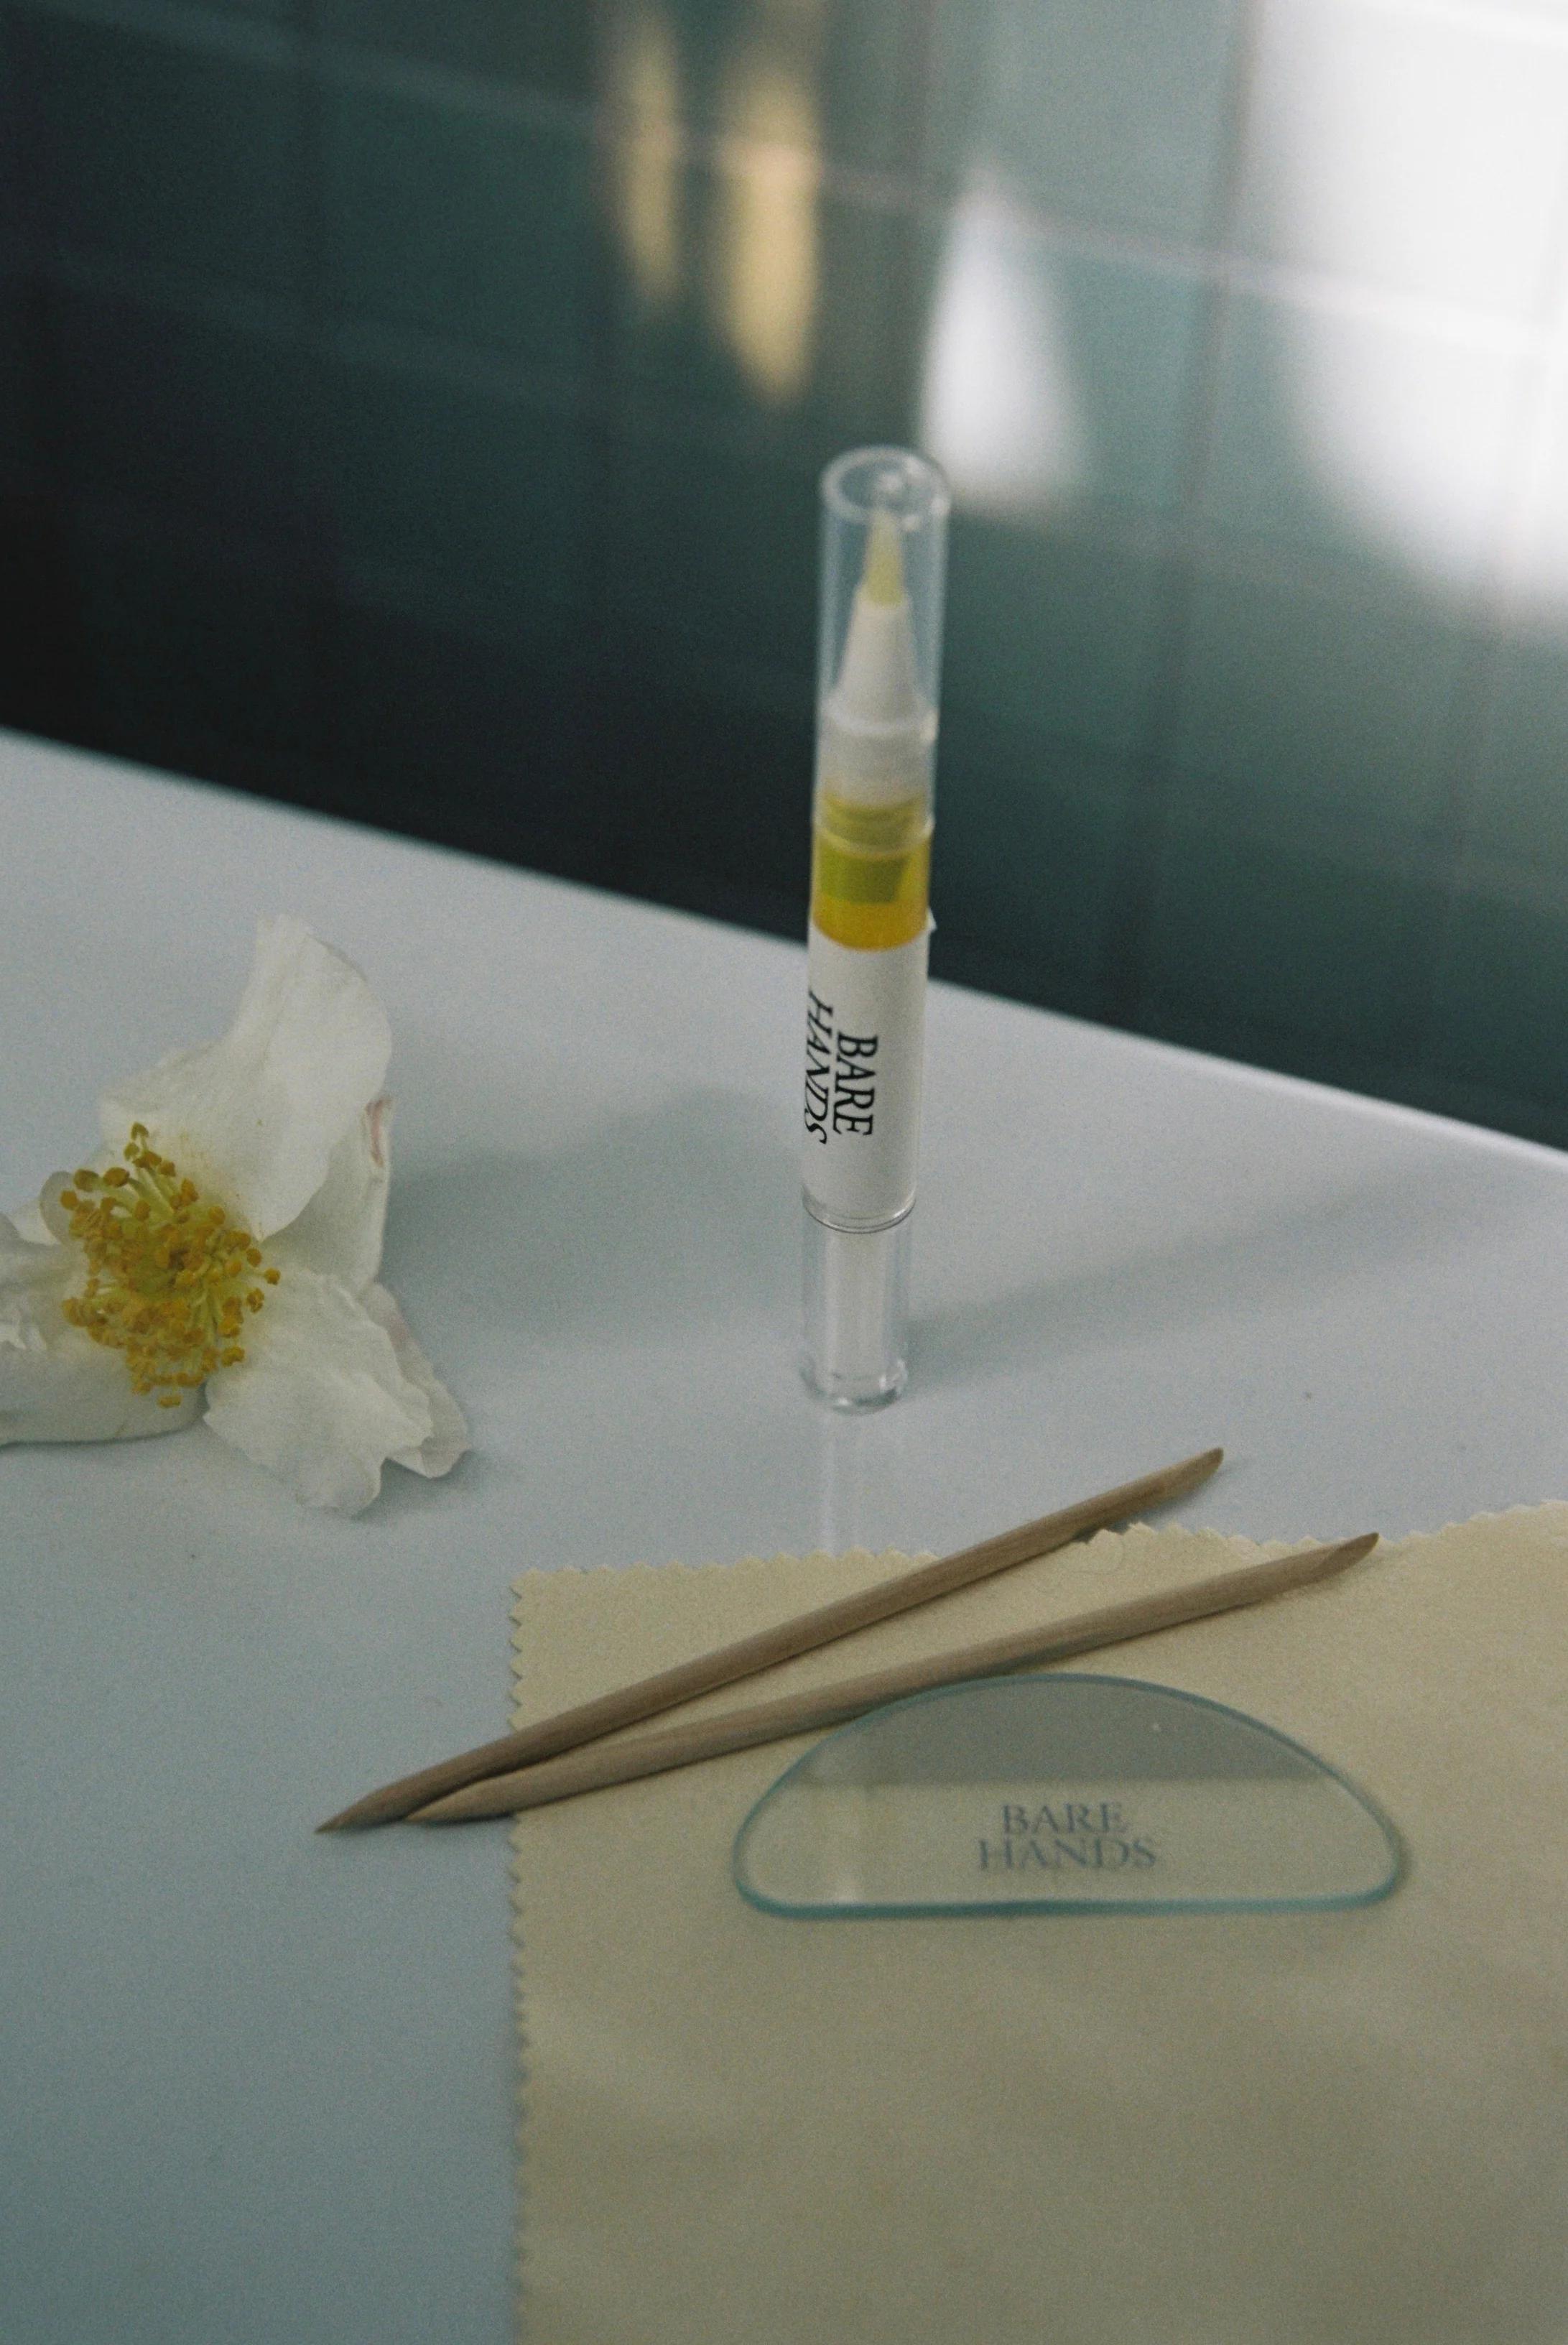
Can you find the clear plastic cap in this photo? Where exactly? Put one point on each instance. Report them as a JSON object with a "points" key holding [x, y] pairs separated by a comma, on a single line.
{"points": [[879, 648]]}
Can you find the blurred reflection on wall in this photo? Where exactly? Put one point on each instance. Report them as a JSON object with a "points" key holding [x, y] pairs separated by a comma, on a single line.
{"points": [[421, 420]]}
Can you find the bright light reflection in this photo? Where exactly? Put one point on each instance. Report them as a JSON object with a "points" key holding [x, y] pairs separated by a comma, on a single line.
{"points": [[1537, 554], [999, 411], [1405, 434], [1423, 156], [1405, 150]]}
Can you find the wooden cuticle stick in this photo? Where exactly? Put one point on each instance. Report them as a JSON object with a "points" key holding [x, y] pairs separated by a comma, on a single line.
{"points": [[599, 1765], [631, 1705]]}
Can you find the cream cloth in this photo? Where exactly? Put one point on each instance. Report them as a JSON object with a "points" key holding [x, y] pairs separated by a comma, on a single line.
{"points": [[1343, 2129]]}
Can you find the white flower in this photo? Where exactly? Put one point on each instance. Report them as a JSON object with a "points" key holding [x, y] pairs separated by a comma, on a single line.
{"points": [[226, 1242]]}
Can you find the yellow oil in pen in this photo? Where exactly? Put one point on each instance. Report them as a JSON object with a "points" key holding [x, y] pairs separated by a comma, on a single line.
{"points": [[871, 871]]}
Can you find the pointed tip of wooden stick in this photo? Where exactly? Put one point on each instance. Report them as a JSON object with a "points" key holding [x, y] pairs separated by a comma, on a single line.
{"points": [[1328, 1562], [346, 1820], [475, 1802], [375, 1808], [1186, 1476]]}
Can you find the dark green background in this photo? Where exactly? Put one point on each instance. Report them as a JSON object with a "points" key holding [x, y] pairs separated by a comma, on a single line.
{"points": [[344, 457]]}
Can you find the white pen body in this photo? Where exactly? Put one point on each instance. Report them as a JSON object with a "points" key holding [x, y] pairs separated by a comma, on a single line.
{"points": [[868, 940], [864, 1065]]}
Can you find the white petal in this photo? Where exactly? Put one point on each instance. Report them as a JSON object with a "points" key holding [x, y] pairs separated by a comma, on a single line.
{"points": [[340, 1232], [256, 1117], [28, 1221], [448, 1436], [319, 1398], [55, 1383]]}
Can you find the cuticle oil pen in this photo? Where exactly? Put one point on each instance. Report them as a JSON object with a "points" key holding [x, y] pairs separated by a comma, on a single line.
{"points": [[883, 560]]}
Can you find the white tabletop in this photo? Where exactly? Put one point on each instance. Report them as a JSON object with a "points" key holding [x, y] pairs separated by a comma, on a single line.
{"points": [[259, 2085]]}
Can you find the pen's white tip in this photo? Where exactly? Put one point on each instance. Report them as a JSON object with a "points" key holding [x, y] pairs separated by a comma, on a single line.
{"points": [[882, 581]]}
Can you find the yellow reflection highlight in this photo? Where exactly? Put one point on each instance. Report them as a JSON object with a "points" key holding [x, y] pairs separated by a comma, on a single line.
{"points": [[644, 93], [765, 262]]}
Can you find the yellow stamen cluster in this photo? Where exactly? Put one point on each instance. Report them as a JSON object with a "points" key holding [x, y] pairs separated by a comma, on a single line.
{"points": [[169, 1278]]}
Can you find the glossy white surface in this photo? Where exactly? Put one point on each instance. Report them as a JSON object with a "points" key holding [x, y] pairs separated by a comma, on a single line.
{"points": [[259, 2085]]}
